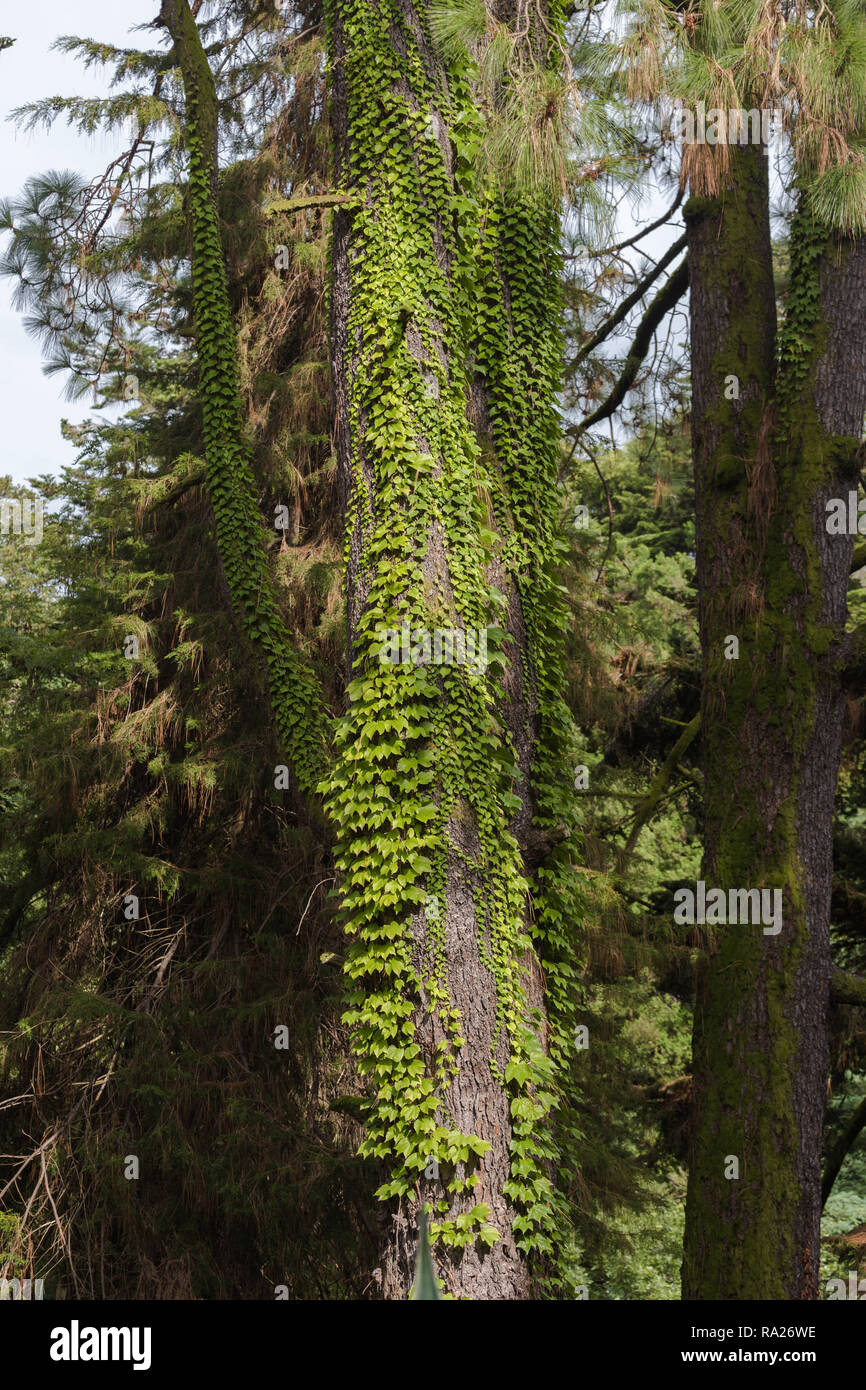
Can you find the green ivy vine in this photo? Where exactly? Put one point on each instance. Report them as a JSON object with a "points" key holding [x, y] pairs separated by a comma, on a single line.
{"points": [[298, 710], [421, 749]]}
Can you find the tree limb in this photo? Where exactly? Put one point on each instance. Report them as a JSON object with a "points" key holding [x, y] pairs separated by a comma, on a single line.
{"points": [[657, 788], [627, 304], [297, 701], [307, 200], [664, 301], [846, 988], [645, 231], [842, 1147]]}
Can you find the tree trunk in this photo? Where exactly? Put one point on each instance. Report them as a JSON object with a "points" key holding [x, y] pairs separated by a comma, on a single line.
{"points": [[428, 777], [769, 449]]}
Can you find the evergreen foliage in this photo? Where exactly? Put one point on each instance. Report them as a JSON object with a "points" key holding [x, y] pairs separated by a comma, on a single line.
{"points": [[230, 832]]}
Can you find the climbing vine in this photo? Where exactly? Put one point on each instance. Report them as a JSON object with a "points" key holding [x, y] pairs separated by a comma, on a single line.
{"points": [[416, 748], [426, 779], [298, 709], [519, 356]]}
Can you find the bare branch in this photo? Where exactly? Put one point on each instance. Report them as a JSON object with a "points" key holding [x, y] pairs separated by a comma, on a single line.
{"points": [[664, 301]]}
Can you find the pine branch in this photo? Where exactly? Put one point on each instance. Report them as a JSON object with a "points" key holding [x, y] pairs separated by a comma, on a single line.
{"points": [[656, 792], [645, 231], [846, 988], [307, 200], [665, 300], [842, 1147], [627, 304]]}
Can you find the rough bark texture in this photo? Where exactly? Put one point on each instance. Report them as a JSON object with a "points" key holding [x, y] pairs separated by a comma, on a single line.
{"points": [[766, 460], [475, 1102]]}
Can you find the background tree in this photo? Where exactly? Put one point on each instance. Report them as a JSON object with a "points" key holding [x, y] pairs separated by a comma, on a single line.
{"points": [[777, 421]]}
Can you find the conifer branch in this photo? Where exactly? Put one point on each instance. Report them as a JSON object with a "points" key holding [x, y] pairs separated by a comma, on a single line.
{"points": [[627, 304], [307, 200], [842, 1147], [665, 300], [653, 797], [846, 988]]}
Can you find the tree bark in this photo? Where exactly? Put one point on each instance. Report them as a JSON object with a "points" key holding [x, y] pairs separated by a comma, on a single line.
{"points": [[769, 450], [415, 484]]}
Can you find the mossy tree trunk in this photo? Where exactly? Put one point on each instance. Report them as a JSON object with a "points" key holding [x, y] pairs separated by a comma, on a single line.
{"points": [[771, 445], [298, 709]]}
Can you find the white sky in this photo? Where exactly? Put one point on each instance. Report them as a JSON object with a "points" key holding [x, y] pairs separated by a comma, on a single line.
{"points": [[31, 404]]}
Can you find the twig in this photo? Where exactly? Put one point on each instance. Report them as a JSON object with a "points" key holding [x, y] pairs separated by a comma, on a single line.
{"points": [[638, 236], [665, 300], [657, 787], [310, 899]]}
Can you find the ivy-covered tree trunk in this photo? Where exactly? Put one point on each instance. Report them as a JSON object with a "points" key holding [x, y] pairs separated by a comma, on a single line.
{"points": [[771, 445], [295, 697], [437, 825]]}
